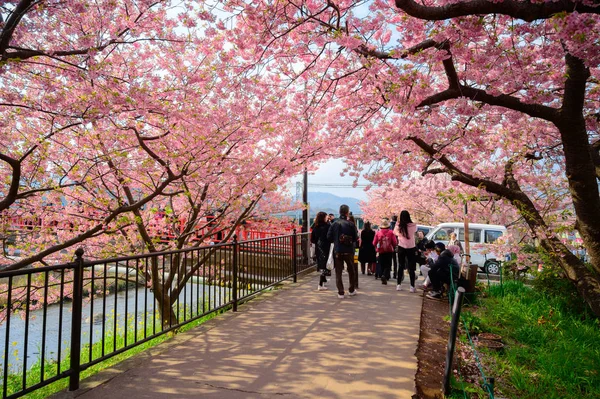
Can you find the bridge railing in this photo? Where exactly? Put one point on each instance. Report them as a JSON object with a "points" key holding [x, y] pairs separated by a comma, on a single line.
{"points": [[57, 321]]}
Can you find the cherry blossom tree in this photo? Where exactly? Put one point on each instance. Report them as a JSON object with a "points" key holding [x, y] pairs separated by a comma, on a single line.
{"points": [[437, 199], [127, 110], [500, 96]]}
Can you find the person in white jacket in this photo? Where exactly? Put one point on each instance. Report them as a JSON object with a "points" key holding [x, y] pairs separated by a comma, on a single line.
{"points": [[407, 252]]}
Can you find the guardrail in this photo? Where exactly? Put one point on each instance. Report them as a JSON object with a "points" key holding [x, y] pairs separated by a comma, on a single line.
{"points": [[455, 300], [57, 321]]}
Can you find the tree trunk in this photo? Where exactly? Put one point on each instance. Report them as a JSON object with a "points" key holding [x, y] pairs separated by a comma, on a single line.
{"points": [[579, 161], [586, 281], [162, 296], [168, 316]]}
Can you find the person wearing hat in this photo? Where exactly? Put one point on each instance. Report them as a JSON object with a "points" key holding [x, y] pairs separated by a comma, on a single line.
{"points": [[385, 241]]}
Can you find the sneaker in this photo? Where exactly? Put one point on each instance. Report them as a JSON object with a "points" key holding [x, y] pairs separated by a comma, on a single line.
{"points": [[341, 296], [434, 295], [322, 288], [352, 293], [398, 287], [413, 290]]}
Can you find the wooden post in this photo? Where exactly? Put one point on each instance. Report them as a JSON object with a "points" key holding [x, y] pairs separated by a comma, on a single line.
{"points": [[470, 270]]}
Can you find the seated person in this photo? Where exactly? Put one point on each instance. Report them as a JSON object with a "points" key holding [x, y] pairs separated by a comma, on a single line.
{"points": [[440, 270], [456, 252], [431, 256]]}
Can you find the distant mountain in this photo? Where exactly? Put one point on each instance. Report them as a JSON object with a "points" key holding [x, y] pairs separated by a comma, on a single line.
{"points": [[330, 203]]}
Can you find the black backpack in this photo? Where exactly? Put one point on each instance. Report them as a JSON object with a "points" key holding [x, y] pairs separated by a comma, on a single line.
{"points": [[347, 233]]}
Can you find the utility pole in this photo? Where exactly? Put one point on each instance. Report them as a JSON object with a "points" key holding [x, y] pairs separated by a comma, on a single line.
{"points": [[305, 202], [305, 241]]}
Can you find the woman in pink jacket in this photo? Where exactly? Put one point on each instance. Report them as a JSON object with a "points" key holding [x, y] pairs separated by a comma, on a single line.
{"points": [[407, 252]]}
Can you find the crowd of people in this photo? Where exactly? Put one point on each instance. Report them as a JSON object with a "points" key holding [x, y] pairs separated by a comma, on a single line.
{"points": [[387, 253]]}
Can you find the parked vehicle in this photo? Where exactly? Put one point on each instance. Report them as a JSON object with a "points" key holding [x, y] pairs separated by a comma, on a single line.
{"points": [[424, 229], [479, 236]]}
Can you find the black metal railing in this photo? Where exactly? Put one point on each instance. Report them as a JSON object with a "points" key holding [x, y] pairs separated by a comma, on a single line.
{"points": [[58, 321]]}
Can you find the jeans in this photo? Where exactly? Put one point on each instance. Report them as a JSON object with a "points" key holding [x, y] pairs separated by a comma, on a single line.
{"points": [[407, 258], [322, 278], [425, 271], [439, 277], [355, 267], [385, 260], [338, 263], [395, 263]]}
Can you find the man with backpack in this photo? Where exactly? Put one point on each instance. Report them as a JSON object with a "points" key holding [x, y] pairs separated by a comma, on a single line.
{"points": [[343, 234], [385, 242]]}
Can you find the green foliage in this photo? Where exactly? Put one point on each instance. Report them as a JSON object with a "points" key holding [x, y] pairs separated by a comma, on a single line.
{"points": [[461, 390], [472, 322], [552, 282], [553, 348]]}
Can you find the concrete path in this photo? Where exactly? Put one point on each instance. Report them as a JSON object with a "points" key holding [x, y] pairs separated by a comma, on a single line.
{"points": [[292, 343]]}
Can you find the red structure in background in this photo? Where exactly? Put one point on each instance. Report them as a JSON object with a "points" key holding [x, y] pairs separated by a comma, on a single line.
{"points": [[169, 231]]}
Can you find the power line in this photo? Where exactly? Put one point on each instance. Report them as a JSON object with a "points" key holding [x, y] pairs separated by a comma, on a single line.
{"points": [[337, 185]]}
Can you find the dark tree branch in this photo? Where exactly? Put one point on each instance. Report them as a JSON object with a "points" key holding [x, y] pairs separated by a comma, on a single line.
{"points": [[524, 10], [13, 191], [457, 90], [595, 150], [11, 24]]}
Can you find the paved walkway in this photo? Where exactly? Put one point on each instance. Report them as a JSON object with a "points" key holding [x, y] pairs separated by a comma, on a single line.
{"points": [[292, 343]]}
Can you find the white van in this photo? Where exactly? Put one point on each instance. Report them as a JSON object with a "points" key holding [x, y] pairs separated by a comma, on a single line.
{"points": [[478, 234], [424, 229]]}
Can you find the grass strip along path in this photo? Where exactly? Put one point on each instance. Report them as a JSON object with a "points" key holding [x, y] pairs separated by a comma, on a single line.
{"points": [[552, 345]]}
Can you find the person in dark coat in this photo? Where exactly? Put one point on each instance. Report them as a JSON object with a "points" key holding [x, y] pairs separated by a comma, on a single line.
{"points": [[366, 252], [343, 235], [318, 236], [395, 256], [444, 268]]}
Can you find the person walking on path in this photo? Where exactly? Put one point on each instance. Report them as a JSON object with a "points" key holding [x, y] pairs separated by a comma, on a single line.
{"points": [[407, 251], [385, 242], [366, 252], [318, 236], [343, 235], [395, 256], [355, 264]]}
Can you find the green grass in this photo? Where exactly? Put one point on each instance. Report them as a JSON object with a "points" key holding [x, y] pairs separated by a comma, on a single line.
{"points": [[552, 348], [50, 368]]}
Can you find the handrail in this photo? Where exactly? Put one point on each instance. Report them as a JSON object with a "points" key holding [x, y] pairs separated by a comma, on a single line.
{"points": [[122, 302], [453, 298]]}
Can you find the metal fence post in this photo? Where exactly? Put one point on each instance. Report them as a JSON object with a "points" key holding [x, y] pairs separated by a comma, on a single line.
{"points": [[76, 321], [490, 383], [234, 285], [452, 338], [295, 255]]}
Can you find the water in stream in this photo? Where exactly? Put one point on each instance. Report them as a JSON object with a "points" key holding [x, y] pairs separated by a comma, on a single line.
{"points": [[115, 311]]}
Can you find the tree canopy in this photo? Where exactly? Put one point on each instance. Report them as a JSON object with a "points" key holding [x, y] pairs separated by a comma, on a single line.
{"points": [[118, 107]]}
